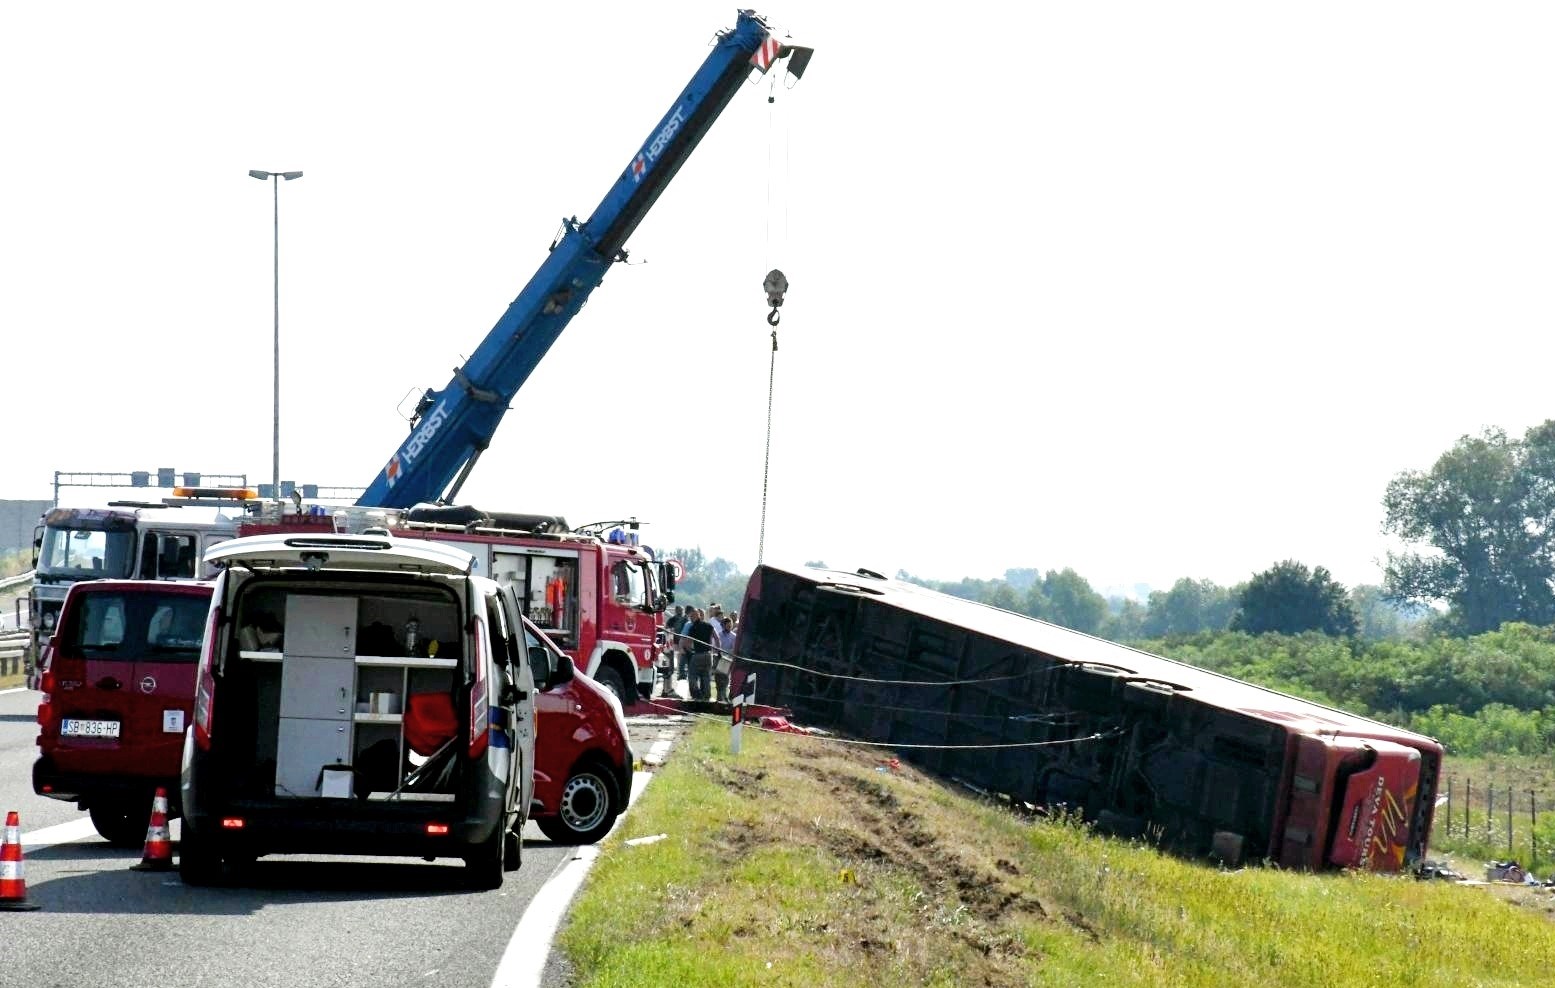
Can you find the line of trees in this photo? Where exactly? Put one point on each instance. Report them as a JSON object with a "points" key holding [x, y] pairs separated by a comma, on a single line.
{"points": [[1288, 598]]}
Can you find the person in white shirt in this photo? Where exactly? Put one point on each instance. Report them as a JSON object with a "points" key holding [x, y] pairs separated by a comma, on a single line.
{"points": [[723, 629]]}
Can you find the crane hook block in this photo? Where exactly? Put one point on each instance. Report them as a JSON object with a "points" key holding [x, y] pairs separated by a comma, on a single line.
{"points": [[775, 286]]}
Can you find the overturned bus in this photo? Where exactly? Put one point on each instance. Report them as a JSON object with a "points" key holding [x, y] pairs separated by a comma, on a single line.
{"points": [[1140, 745]]}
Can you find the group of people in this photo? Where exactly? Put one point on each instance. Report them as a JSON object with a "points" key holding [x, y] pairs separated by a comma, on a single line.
{"points": [[699, 647]]}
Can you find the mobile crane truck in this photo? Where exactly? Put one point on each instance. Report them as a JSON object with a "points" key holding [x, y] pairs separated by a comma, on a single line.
{"points": [[562, 576]]}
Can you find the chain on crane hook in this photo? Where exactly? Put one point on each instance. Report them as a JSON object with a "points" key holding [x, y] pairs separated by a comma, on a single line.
{"points": [[775, 286]]}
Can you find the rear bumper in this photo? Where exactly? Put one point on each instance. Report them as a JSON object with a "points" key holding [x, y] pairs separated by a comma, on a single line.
{"points": [[348, 827], [90, 789]]}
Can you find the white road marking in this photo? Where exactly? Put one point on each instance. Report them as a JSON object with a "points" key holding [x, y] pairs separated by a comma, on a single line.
{"points": [[14, 689], [62, 833], [523, 962]]}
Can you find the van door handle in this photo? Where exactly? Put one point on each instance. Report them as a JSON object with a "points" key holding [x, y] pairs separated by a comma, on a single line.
{"points": [[109, 683]]}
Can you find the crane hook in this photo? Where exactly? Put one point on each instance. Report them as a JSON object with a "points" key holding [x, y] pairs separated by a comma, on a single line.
{"points": [[775, 286]]}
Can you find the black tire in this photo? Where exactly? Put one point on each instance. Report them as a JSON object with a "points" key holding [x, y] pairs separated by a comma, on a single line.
{"points": [[512, 851], [587, 809], [611, 680], [199, 859], [122, 824], [483, 866]]}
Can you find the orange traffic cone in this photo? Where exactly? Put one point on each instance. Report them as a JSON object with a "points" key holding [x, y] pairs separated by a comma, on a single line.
{"points": [[158, 855], [13, 883]]}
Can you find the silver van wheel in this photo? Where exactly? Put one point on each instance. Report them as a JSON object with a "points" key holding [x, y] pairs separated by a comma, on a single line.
{"points": [[587, 809], [585, 802]]}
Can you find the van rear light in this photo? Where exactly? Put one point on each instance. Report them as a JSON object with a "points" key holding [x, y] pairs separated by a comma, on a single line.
{"points": [[232, 823], [437, 829], [480, 708], [46, 684], [47, 788], [205, 686]]}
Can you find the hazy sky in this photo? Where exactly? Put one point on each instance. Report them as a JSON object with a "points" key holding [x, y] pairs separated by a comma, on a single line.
{"points": [[1149, 290]]}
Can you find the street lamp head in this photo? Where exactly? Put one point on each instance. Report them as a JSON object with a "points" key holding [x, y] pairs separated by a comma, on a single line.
{"points": [[291, 175], [256, 173]]}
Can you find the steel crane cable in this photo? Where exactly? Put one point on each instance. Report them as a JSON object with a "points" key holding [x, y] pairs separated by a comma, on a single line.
{"points": [[775, 286], [766, 459]]}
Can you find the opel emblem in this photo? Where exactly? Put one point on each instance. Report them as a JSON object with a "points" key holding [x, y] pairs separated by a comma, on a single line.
{"points": [[148, 684]]}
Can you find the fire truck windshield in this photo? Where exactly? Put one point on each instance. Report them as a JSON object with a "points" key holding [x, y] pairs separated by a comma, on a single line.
{"points": [[629, 584], [83, 554]]}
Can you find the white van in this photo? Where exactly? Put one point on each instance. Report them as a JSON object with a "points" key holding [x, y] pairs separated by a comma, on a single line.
{"points": [[357, 694]]}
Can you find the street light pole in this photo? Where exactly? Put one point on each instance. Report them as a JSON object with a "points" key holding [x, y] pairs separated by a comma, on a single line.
{"points": [[274, 178]]}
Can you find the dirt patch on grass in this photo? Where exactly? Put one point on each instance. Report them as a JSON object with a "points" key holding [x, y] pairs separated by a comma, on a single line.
{"points": [[886, 833], [751, 783]]}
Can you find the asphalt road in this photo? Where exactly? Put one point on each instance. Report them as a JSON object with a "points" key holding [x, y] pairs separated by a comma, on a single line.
{"points": [[294, 921]]}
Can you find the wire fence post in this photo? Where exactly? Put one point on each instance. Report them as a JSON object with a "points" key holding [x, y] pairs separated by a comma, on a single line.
{"points": [[1468, 797], [1510, 799], [1533, 840], [1490, 812], [1449, 806]]}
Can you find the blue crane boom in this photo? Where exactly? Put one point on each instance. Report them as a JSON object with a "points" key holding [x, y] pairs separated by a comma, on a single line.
{"points": [[453, 426]]}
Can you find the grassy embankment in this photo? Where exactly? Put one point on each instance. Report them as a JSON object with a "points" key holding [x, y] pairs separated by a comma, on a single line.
{"points": [[801, 863]]}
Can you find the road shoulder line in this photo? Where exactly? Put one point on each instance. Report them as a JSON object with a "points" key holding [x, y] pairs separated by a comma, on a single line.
{"points": [[523, 962]]}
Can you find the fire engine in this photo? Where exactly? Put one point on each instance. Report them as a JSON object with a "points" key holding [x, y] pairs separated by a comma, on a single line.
{"points": [[595, 591]]}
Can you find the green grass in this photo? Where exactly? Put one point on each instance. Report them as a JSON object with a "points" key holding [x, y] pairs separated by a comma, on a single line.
{"points": [[799, 863]]}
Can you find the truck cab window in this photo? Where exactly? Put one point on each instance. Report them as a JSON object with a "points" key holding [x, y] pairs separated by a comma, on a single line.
{"points": [[168, 556], [628, 584], [85, 554]]}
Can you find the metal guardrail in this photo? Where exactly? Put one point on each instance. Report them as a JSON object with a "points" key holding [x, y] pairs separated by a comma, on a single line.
{"points": [[13, 641], [13, 647]]}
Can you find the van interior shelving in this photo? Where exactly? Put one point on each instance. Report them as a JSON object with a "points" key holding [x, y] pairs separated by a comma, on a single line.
{"points": [[333, 675]]}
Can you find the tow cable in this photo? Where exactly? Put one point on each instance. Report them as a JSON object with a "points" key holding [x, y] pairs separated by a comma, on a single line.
{"points": [[775, 286]]}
